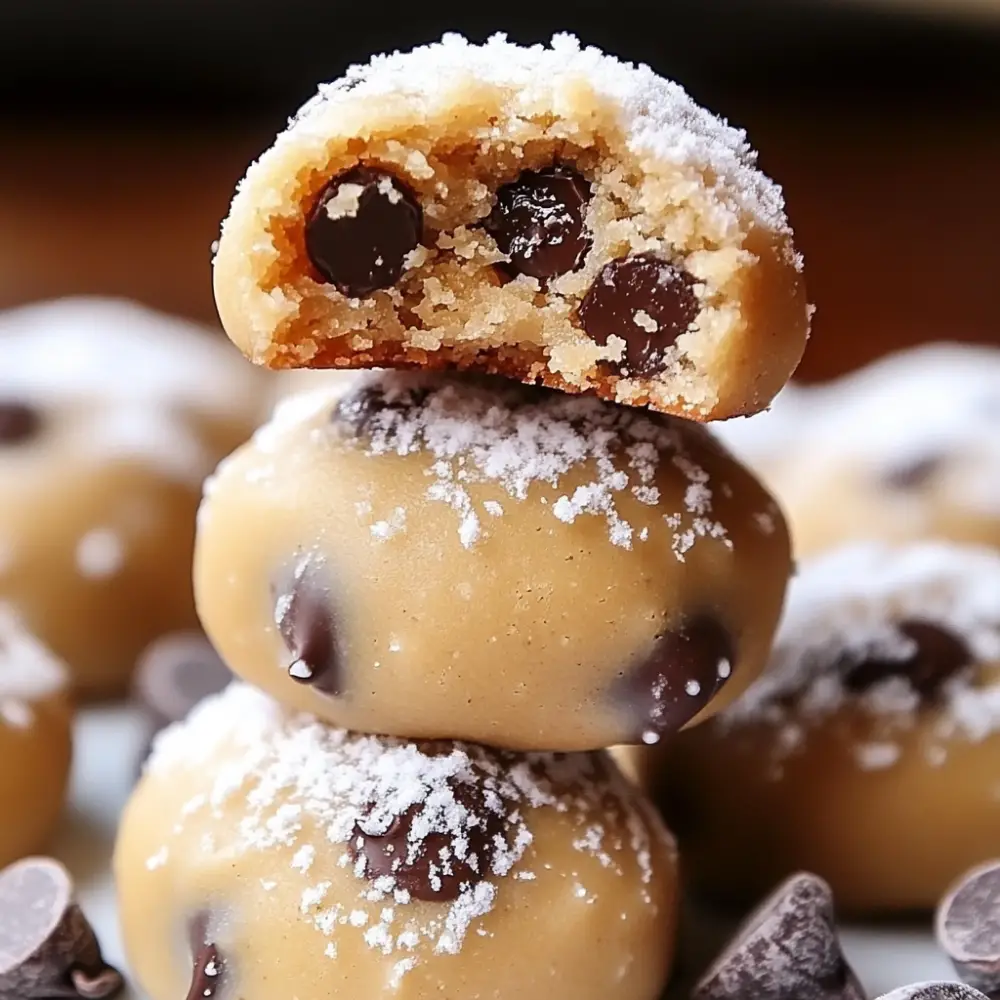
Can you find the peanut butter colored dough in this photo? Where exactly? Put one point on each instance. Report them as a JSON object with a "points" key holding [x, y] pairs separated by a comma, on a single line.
{"points": [[472, 559], [35, 740], [265, 851], [868, 751], [547, 213], [110, 418]]}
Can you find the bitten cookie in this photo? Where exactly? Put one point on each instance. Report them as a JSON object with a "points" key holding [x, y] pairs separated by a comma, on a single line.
{"points": [[868, 751], [475, 559], [908, 448], [110, 418], [265, 847], [35, 740], [550, 214]]}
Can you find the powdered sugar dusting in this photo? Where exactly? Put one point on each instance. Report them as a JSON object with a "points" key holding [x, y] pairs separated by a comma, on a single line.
{"points": [[319, 792], [480, 431], [845, 608], [28, 671], [657, 117]]}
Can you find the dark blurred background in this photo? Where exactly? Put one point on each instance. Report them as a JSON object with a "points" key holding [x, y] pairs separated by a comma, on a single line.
{"points": [[126, 123]]}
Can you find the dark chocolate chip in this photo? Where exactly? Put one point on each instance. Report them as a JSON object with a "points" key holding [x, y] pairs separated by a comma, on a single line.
{"points": [[304, 615], [935, 991], [938, 655], [359, 241], [787, 949], [207, 966], [538, 222], [645, 300], [680, 675], [425, 860], [914, 474], [174, 673], [48, 950], [968, 927], [18, 422]]}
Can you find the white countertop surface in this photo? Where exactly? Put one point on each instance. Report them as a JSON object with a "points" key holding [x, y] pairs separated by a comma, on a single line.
{"points": [[109, 741]]}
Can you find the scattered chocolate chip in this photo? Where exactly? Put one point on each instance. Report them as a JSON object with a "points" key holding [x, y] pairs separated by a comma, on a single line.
{"points": [[914, 474], [787, 949], [968, 927], [18, 422], [934, 991], [361, 228], [682, 673], [426, 861], [174, 673], [538, 222], [937, 657], [48, 950], [208, 968], [645, 300], [304, 615]]}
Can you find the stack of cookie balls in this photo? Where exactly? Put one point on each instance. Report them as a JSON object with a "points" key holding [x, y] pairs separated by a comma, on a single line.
{"points": [[452, 588]]}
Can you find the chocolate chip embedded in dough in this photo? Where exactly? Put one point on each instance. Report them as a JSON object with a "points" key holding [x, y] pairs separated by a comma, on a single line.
{"points": [[48, 950], [207, 965], [915, 473], [303, 612], [680, 675], [538, 221], [787, 949], [937, 656], [363, 225], [968, 927], [427, 850], [19, 422], [647, 302]]}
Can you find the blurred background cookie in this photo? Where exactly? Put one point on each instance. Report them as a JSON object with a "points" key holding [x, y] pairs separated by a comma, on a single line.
{"points": [[110, 418]]}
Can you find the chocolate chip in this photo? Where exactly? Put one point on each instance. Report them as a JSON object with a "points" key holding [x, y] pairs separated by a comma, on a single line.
{"points": [[934, 991], [423, 852], [304, 615], [361, 228], [18, 422], [645, 300], [914, 474], [174, 673], [787, 949], [208, 968], [937, 656], [538, 222], [48, 950], [968, 927], [680, 675]]}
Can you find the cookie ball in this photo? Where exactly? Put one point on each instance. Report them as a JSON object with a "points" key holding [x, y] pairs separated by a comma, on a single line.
{"points": [[265, 847], [868, 751], [546, 213], [906, 449], [473, 559], [110, 418], [35, 740]]}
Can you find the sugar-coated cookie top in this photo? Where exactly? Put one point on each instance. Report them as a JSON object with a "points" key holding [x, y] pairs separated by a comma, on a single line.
{"points": [[28, 671], [931, 404], [476, 430], [438, 822], [932, 609], [140, 374], [657, 117]]}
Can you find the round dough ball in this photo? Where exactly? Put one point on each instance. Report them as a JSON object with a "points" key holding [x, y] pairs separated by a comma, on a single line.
{"points": [[473, 559], [35, 740], [265, 847], [906, 449], [547, 213], [110, 418], [868, 752]]}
